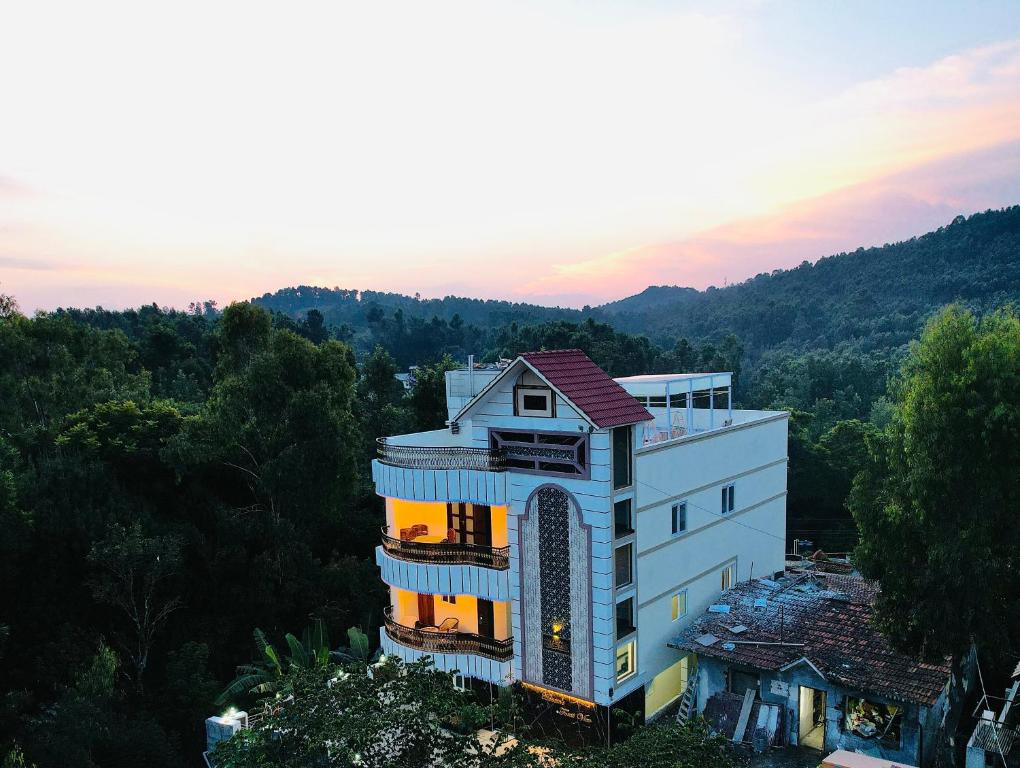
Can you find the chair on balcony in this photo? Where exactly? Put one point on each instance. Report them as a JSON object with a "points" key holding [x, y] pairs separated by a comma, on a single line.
{"points": [[451, 536], [406, 534], [449, 625], [419, 530]]}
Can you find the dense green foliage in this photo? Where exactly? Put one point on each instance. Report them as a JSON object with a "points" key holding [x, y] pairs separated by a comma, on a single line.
{"points": [[392, 715], [169, 481], [936, 506]]}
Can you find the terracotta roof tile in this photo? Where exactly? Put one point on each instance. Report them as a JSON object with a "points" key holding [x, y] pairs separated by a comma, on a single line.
{"points": [[832, 616], [588, 387]]}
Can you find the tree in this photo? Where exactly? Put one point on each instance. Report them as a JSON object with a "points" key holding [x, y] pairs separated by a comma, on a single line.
{"points": [[428, 398], [393, 715], [132, 571], [8, 306], [936, 505], [310, 652]]}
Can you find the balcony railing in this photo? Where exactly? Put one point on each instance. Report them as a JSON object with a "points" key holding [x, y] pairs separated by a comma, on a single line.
{"points": [[439, 457], [446, 552], [432, 641]]}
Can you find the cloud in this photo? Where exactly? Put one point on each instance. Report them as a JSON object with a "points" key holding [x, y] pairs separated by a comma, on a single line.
{"points": [[884, 210], [21, 262]]}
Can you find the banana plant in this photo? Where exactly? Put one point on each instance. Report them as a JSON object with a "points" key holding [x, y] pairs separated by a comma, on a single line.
{"points": [[260, 677]]}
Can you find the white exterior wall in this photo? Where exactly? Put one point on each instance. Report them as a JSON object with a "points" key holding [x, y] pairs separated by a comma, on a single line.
{"points": [[497, 412], [751, 455]]}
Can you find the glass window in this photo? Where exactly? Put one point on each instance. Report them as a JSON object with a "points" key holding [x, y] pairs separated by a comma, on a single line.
{"points": [[727, 499], [624, 618], [625, 661], [680, 517], [621, 457], [624, 566], [623, 515], [679, 605], [451, 599]]}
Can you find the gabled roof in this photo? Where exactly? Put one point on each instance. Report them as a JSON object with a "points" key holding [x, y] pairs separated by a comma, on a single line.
{"points": [[825, 620], [583, 384], [588, 387]]}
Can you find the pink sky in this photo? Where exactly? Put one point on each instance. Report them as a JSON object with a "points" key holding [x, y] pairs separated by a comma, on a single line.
{"points": [[549, 152]]}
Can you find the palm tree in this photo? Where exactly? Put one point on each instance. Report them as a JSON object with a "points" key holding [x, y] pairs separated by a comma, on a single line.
{"points": [[260, 677]]}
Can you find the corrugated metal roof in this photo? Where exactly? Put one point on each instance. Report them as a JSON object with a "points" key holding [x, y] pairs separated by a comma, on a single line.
{"points": [[588, 387]]}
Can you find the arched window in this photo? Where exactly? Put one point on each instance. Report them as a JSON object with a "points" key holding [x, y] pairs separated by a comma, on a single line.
{"points": [[532, 397]]}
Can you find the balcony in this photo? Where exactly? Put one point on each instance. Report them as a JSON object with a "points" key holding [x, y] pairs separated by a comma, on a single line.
{"points": [[443, 552], [432, 640], [438, 449]]}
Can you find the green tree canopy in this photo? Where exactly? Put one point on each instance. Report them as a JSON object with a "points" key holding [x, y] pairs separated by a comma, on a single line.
{"points": [[936, 508]]}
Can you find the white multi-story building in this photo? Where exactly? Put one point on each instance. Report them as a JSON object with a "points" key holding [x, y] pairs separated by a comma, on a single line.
{"points": [[565, 526]]}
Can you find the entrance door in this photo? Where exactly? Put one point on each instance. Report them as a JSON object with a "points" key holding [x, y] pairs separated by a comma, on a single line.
{"points": [[427, 610], [486, 618], [811, 728]]}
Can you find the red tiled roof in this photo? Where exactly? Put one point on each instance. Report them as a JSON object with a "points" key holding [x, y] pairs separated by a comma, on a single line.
{"points": [[832, 617], [588, 387]]}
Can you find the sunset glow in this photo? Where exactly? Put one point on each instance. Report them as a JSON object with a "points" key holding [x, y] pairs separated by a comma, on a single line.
{"points": [[553, 152]]}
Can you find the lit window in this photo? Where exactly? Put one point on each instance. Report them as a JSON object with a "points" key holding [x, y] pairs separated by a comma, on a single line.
{"points": [[729, 575], [625, 661], [727, 499], [624, 566], [679, 604], [624, 518], [679, 517]]}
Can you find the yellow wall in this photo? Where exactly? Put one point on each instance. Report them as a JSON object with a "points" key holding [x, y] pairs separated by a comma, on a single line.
{"points": [[404, 514], [405, 605], [666, 686]]}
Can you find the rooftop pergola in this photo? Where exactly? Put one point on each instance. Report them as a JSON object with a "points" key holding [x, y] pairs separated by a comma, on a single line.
{"points": [[675, 393]]}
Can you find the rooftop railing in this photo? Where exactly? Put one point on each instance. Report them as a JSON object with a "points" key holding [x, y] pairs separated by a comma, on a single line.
{"points": [[439, 457], [446, 552], [434, 641]]}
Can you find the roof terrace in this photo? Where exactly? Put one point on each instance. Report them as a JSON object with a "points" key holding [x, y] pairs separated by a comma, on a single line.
{"points": [[682, 403]]}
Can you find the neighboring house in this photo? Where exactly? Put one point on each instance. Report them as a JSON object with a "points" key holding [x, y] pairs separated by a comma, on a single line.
{"points": [[408, 379], [566, 525], [806, 645]]}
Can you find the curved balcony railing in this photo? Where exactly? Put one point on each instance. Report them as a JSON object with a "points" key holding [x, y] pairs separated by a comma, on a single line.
{"points": [[446, 552], [439, 457], [432, 641]]}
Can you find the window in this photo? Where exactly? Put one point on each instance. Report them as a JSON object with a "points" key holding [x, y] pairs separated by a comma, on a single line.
{"points": [[728, 576], [451, 599], [727, 498], [624, 567], [874, 721], [459, 681], [625, 661], [624, 618], [621, 457], [679, 607], [624, 518], [679, 517], [532, 396], [738, 681]]}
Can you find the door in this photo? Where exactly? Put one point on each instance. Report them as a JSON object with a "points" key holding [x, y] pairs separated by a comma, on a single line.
{"points": [[811, 726], [486, 618], [427, 610], [470, 523]]}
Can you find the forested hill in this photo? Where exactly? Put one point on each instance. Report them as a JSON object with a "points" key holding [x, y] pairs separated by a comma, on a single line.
{"points": [[872, 298], [866, 300], [357, 309]]}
